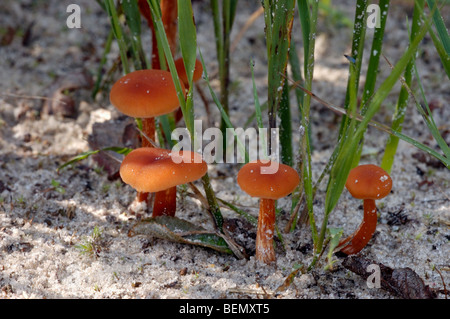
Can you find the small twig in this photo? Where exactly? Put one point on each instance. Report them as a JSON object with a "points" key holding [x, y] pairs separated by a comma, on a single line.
{"points": [[205, 102], [250, 291], [235, 248], [198, 195], [443, 281], [147, 138], [32, 97], [340, 110], [255, 15]]}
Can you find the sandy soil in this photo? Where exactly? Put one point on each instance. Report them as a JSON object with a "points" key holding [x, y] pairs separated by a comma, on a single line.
{"points": [[46, 216]]}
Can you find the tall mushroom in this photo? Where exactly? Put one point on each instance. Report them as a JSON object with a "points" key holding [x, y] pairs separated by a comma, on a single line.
{"points": [[259, 180], [156, 170], [145, 94], [367, 182]]}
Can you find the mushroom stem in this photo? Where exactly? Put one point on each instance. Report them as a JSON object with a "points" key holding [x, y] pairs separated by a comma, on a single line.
{"points": [[148, 127], [265, 251], [141, 197], [165, 202], [359, 239]]}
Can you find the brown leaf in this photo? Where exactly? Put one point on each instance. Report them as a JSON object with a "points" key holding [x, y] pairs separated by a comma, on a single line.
{"points": [[8, 36], [402, 282], [119, 133], [61, 104]]}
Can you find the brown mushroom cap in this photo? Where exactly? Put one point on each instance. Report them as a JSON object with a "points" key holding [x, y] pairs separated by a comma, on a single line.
{"points": [[271, 186], [368, 182], [198, 71], [149, 169], [145, 93]]}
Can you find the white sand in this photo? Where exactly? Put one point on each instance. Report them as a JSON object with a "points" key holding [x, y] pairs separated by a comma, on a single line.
{"points": [[41, 228]]}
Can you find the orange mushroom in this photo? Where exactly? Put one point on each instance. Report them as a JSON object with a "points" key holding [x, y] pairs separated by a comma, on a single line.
{"points": [[145, 94], [156, 170], [258, 180], [367, 182]]}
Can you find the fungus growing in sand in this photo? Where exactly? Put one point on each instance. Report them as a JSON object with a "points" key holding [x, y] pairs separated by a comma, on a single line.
{"points": [[367, 182], [156, 170], [145, 94], [259, 180]]}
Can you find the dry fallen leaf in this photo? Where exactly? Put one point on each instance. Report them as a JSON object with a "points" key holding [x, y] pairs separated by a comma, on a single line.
{"points": [[402, 282], [58, 102]]}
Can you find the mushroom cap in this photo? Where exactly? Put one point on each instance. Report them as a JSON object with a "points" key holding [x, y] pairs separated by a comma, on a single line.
{"points": [[145, 93], [368, 182], [253, 181], [181, 70], [150, 169]]}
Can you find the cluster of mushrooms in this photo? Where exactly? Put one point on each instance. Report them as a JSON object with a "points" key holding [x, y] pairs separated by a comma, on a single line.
{"points": [[147, 94]]}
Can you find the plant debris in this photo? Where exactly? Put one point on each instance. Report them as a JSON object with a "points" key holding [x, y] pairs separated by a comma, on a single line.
{"points": [[59, 102], [402, 282]]}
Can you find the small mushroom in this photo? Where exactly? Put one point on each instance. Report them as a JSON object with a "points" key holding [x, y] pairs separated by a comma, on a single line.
{"points": [[367, 182], [145, 94], [258, 179], [156, 170]]}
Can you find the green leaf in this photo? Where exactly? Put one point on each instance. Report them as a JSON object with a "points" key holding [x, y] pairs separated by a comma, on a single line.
{"points": [[335, 235], [82, 156], [133, 17], [118, 33], [279, 17], [188, 37]]}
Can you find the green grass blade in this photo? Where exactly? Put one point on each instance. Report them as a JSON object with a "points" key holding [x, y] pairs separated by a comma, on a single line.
{"points": [[188, 37], [375, 54], [428, 118], [82, 156], [359, 34], [440, 25], [258, 112], [224, 114], [279, 18], [287, 155], [222, 29], [444, 56], [118, 33], [239, 211], [308, 21], [102, 63], [133, 16], [399, 115], [442, 40]]}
